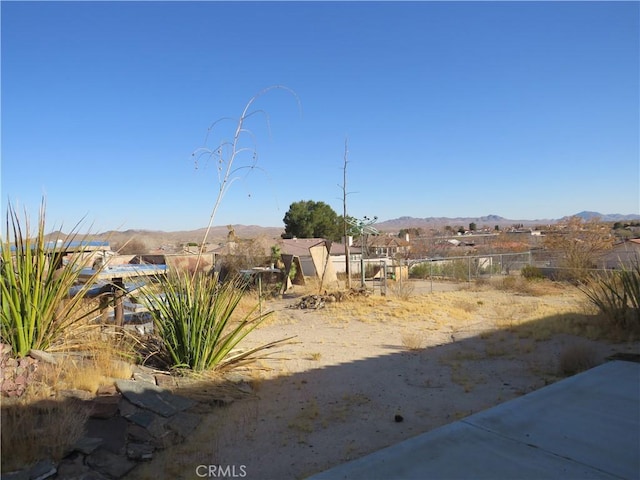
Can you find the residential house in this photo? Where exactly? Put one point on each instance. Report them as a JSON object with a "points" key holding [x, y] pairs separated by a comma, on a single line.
{"points": [[622, 255], [381, 246], [312, 258]]}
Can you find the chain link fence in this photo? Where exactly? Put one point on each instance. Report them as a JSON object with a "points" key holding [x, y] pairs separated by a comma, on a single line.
{"points": [[469, 267]]}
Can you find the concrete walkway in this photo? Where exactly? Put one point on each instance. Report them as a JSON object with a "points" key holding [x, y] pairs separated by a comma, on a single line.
{"points": [[586, 426]]}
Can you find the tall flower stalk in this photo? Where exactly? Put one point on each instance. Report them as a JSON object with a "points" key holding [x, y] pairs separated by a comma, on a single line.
{"points": [[195, 314], [226, 155]]}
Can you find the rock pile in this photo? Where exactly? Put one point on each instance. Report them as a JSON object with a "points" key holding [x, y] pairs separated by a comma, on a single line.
{"points": [[319, 301], [128, 422], [15, 373]]}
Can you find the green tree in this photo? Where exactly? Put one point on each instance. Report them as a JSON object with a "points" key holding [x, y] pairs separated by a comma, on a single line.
{"points": [[309, 219], [473, 227]]}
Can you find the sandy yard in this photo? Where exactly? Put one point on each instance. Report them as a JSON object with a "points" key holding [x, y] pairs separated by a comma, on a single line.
{"points": [[367, 373]]}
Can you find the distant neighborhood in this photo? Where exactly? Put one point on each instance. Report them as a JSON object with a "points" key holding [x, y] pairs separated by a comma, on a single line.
{"points": [[485, 249]]}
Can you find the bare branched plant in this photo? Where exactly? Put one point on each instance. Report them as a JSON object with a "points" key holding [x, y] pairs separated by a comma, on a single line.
{"points": [[581, 245], [231, 156], [195, 314]]}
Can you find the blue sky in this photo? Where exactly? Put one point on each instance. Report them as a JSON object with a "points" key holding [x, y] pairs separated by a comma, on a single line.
{"points": [[528, 110]]}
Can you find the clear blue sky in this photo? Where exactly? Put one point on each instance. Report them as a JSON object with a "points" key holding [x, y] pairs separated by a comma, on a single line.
{"points": [[524, 110]]}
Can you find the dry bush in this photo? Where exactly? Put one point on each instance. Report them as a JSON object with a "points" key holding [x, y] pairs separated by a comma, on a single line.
{"points": [[40, 430], [576, 359], [88, 359], [516, 285], [412, 341], [529, 286], [469, 306], [403, 290], [88, 370]]}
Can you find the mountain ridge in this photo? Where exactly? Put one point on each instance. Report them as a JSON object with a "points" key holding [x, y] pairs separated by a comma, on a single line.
{"points": [[219, 234], [492, 220]]}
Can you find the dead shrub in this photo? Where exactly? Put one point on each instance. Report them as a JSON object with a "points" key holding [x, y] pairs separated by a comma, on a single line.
{"points": [[412, 341], [518, 285], [46, 429], [402, 290], [576, 359]]}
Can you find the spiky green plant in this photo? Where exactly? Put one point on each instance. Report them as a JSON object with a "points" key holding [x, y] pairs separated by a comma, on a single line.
{"points": [[194, 317], [616, 294], [36, 308]]}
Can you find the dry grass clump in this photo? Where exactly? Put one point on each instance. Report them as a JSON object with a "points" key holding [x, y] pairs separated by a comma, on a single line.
{"points": [[402, 289], [44, 423], [412, 341], [101, 360], [438, 307], [518, 285], [86, 371], [37, 430], [576, 359], [305, 421]]}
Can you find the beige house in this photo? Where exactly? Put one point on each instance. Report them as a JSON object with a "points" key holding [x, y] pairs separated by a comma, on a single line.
{"points": [[311, 257], [386, 247]]}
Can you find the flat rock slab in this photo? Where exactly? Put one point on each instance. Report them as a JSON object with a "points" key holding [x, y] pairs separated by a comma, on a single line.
{"points": [[40, 471], [108, 463], [142, 417], [152, 397], [112, 431], [105, 406], [184, 423], [87, 445]]}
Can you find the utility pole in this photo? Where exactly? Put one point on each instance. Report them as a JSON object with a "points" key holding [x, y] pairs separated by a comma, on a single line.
{"points": [[364, 227], [345, 228]]}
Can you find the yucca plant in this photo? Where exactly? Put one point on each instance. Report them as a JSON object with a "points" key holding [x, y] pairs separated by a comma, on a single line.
{"points": [[194, 317], [36, 308], [194, 313], [616, 295]]}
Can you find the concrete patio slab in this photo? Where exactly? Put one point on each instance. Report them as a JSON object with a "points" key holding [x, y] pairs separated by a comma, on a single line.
{"points": [[586, 426]]}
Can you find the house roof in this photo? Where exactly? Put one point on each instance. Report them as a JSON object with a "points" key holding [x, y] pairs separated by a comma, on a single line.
{"points": [[623, 254], [384, 241], [299, 247], [338, 249]]}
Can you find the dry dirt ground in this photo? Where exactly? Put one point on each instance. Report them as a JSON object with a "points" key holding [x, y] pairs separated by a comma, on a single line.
{"points": [[364, 374]]}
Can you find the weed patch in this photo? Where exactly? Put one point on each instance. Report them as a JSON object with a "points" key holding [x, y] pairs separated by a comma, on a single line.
{"points": [[577, 358]]}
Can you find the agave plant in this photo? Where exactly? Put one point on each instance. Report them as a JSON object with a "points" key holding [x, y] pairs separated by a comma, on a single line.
{"points": [[36, 307], [194, 317], [194, 314], [616, 294]]}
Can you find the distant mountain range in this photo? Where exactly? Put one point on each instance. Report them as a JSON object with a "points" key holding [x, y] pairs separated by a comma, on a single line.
{"points": [[612, 217], [219, 234], [491, 221]]}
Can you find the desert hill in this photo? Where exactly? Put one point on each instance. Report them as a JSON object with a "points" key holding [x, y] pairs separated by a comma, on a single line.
{"points": [[153, 239]]}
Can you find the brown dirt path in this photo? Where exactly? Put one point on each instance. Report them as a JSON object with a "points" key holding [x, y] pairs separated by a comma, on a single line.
{"points": [[337, 391]]}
